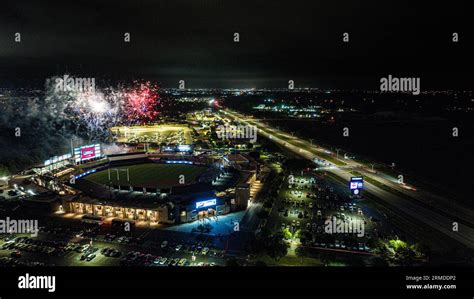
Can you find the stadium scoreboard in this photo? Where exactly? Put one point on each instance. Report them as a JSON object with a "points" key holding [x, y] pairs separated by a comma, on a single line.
{"points": [[87, 152]]}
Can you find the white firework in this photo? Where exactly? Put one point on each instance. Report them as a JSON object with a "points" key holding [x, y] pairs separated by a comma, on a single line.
{"points": [[92, 111]]}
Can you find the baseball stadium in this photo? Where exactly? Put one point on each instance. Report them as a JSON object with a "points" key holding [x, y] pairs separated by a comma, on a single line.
{"points": [[166, 181]]}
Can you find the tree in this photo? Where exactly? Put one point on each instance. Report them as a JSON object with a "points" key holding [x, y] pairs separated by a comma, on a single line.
{"points": [[405, 256], [400, 252], [277, 248], [397, 245], [380, 248], [298, 234], [287, 234], [420, 250], [272, 244]]}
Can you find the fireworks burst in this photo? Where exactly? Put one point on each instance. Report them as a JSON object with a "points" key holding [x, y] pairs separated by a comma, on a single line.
{"points": [[141, 104], [94, 111]]}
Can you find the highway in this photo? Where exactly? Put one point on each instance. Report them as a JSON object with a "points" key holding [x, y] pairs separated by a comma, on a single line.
{"points": [[436, 212]]}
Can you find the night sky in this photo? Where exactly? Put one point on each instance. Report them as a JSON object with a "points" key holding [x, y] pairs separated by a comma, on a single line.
{"points": [[279, 40]]}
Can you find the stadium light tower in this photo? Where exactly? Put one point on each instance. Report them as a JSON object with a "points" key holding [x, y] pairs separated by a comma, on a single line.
{"points": [[72, 149]]}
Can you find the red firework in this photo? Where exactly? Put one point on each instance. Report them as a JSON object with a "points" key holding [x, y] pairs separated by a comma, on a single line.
{"points": [[141, 103]]}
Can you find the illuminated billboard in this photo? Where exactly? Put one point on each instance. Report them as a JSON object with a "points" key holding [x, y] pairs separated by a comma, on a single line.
{"points": [[87, 152], [356, 185], [206, 203]]}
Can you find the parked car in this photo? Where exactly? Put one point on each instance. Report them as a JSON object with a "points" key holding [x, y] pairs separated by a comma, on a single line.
{"points": [[174, 262], [182, 262], [90, 257]]}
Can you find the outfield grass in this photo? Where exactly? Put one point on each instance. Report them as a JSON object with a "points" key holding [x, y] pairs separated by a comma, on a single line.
{"points": [[150, 175]]}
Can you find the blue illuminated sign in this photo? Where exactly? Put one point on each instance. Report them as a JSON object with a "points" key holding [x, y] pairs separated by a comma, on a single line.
{"points": [[85, 173], [356, 183], [178, 162], [206, 203]]}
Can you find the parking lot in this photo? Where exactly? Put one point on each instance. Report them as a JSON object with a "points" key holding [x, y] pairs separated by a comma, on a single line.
{"points": [[306, 203], [70, 246]]}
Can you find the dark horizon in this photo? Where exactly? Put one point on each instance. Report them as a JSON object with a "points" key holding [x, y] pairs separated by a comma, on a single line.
{"points": [[300, 41]]}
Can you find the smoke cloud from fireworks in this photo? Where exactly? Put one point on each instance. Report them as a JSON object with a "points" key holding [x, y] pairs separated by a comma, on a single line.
{"points": [[49, 121], [94, 111]]}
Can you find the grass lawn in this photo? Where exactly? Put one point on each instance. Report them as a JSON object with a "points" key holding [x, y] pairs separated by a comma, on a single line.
{"points": [[150, 175], [291, 261]]}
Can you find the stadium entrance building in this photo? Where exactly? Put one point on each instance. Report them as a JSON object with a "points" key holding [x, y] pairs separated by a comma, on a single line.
{"points": [[167, 212], [184, 204], [128, 211], [204, 208], [198, 201]]}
